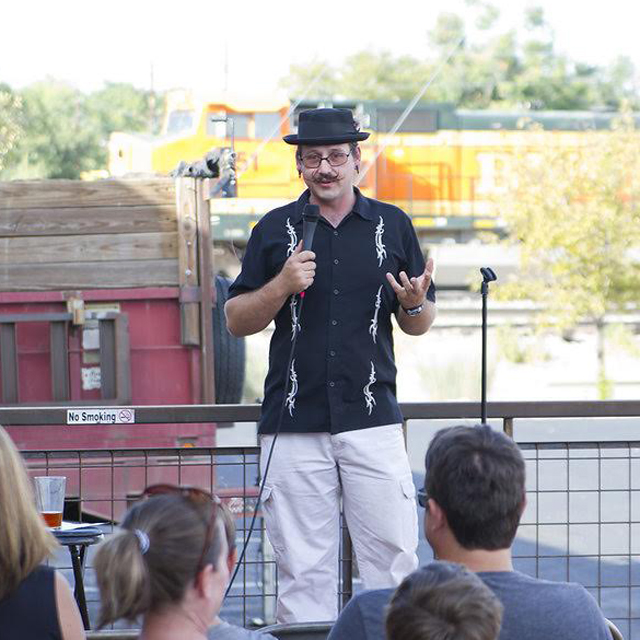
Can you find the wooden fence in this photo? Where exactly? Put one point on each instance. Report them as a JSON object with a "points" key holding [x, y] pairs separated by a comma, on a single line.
{"points": [[74, 236], [66, 234]]}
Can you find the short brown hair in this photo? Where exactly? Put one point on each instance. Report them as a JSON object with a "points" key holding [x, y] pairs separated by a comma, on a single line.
{"points": [[133, 580], [25, 541], [443, 601], [477, 477]]}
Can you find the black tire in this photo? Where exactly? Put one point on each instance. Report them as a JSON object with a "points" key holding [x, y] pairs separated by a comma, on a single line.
{"points": [[229, 352]]}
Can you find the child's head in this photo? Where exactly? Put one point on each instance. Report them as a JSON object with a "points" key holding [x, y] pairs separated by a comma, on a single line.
{"points": [[443, 601]]}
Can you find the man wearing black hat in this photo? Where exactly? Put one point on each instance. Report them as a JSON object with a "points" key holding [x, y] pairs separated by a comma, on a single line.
{"points": [[341, 435]]}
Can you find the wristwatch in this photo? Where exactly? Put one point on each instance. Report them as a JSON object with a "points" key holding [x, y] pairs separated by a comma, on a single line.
{"points": [[414, 311]]}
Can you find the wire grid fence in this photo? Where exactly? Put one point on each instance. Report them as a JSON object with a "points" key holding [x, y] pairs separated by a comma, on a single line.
{"points": [[101, 485], [582, 522]]}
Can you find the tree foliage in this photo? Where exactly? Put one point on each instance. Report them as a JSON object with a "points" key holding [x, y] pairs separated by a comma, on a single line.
{"points": [[9, 121], [490, 68], [573, 209], [64, 132], [59, 138]]}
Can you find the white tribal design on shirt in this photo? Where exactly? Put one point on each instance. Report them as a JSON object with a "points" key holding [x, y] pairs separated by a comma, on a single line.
{"points": [[369, 400], [293, 238], [373, 327], [291, 397], [381, 252], [295, 318]]}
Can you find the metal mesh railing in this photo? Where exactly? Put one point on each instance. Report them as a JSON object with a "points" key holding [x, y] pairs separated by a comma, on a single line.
{"points": [[101, 485], [582, 522]]}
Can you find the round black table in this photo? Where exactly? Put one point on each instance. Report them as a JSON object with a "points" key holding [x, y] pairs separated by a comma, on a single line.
{"points": [[77, 541]]}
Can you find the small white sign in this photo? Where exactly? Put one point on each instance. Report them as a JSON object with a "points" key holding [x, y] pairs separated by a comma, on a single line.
{"points": [[91, 378], [96, 415]]}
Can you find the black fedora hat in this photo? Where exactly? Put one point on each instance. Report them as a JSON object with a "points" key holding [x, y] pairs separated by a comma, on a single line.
{"points": [[325, 126]]}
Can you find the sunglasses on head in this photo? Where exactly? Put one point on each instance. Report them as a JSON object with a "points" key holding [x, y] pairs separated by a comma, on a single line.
{"points": [[423, 498], [196, 496]]}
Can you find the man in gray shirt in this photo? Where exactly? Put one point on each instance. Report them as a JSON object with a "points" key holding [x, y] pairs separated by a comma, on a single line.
{"points": [[474, 496]]}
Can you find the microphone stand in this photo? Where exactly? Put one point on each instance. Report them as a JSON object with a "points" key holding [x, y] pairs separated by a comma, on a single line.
{"points": [[488, 275]]}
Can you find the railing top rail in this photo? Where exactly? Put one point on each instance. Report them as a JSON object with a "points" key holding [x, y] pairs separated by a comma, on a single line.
{"points": [[227, 413], [117, 453]]}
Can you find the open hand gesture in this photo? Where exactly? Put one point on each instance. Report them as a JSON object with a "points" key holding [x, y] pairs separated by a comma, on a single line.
{"points": [[412, 292]]}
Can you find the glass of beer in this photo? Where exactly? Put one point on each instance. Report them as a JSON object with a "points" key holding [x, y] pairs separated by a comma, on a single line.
{"points": [[50, 498]]}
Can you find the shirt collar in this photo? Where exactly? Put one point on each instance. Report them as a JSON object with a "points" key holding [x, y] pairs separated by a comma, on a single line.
{"points": [[362, 206]]}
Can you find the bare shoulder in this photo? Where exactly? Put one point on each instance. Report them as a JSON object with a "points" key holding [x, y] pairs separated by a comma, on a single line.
{"points": [[68, 615]]}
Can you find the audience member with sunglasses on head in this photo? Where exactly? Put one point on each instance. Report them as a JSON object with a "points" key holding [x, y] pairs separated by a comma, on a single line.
{"points": [[169, 565]]}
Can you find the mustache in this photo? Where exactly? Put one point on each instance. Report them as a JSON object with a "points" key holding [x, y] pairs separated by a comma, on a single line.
{"points": [[325, 177]]}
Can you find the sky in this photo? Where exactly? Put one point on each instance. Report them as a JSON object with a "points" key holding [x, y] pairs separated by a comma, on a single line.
{"points": [[171, 44]]}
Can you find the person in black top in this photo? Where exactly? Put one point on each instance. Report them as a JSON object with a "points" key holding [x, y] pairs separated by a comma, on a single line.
{"points": [[35, 601], [341, 430]]}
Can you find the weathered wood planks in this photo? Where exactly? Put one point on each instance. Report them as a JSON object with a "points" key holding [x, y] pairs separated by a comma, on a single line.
{"points": [[38, 194], [93, 220], [89, 275], [88, 248], [67, 234]]}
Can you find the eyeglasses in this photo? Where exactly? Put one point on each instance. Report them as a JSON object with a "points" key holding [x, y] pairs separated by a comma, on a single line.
{"points": [[423, 498], [335, 159], [197, 497]]}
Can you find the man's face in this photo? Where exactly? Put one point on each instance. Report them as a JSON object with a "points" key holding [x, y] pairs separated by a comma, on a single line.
{"points": [[329, 183]]}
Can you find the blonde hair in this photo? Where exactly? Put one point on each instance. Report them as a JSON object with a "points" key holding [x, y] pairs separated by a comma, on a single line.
{"points": [[152, 560], [24, 539], [229, 526]]}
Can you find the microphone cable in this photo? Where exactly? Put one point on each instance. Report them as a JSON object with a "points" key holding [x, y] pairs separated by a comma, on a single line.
{"points": [[269, 457], [310, 216]]}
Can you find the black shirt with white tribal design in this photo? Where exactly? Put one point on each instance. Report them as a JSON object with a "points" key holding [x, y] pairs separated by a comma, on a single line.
{"points": [[343, 374]]}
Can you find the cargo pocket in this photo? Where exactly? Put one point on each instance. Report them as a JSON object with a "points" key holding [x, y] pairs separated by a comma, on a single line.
{"points": [[272, 522], [410, 519], [408, 489]]}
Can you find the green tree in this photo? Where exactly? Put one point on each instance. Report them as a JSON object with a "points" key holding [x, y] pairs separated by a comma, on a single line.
{"points": [[65, 132], [120, 106], [382, 76], [10, 130], [573, 211], [313, 79], [366, 75], [60, 139], [518, 68]]}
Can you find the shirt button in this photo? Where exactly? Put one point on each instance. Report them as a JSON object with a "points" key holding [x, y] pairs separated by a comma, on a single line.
{"points": [[332, 353], [335, 233], [332, 384], [336, 292], [334, 322], [336, 261]]}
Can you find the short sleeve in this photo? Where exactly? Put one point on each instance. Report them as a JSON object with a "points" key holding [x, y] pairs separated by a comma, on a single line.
{"points": [[253, 273], [413, 263]]}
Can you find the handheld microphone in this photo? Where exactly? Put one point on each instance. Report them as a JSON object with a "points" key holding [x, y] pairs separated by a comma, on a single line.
{"points": [[310, 215]]}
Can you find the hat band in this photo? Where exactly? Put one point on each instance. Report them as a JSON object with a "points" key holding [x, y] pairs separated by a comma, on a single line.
{"points": [[319, 130]]}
